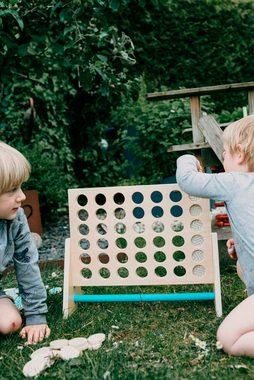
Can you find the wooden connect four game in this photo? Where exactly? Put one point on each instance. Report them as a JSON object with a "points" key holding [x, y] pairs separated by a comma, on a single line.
{"points": [[139, 235]]}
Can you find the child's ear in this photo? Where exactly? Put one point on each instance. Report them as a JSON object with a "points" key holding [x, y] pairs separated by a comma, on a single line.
{"points": [[240, 154]]}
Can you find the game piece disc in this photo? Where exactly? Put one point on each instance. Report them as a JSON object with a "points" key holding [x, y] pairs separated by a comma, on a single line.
{"points": [[69, 352], [96, 338], [58, 344], [79, 343], [35, 366]]}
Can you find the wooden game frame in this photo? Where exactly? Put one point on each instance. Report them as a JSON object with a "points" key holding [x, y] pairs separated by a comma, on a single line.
{"points": [[139, 235]]}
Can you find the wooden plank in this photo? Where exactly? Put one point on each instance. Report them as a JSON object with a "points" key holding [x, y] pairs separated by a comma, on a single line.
{"points": [[197, 135], [192, 146], [186, 92], [251, 102], [213, 134]]}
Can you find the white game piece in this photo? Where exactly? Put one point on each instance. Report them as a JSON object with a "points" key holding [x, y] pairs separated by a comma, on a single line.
{"points": [[58, 344], [43, 352], [35, 366], [96, 338], [95, 345], [69, 352], [80, 343]]}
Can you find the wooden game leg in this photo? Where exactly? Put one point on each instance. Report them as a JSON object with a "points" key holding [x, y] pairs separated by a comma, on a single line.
{"points": [[216, 266], [68, 291]]}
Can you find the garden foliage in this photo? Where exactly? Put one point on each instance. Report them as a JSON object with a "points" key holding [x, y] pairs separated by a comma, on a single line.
{"points": [[88, 65]]}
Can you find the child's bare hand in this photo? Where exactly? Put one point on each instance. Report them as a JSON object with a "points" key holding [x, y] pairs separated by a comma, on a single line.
{"points": [[231, 249], [35, 333], [199, 167]]}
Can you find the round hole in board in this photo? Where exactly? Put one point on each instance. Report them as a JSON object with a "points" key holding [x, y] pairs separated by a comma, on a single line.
{"points": [[103, 258], [122, 257], [157, 212], [156, 196], [104, 273], [82, 200], [179, 271], [85, 258], [140, 257], [137, 197], [123, 272], [100, 199], [159, 256], [175, 196], [83, 215], [176, 211], [119, 198], [141, 272], [140, 242], [119, 213], [86, 273], [83, 229], [121, 243], [160, 271], [101, 213], [159, 241]]}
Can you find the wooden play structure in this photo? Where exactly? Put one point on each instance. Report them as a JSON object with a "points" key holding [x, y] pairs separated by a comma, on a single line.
{"points": [[206, 132], [139, 236]]}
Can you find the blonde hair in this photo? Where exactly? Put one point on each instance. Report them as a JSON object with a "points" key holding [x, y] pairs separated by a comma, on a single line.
{"points": [[241, 132], [14, 168]]}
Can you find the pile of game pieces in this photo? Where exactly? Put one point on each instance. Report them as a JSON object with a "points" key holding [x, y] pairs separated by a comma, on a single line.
{"points": [[63, 349]]}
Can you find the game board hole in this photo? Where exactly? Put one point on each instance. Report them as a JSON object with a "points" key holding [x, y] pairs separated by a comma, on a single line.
{"points": [[100, 199], [103, 258], [83, 215], [123, 272], [101, 214], [85, 258], [141, 272], [86, 273], [158, 226], [196, 225], [176, 211], [82, 200], [141, 257], [120, 228], [137, 197], [156, 196], [199, 271], [102, 229], [197, 240], [102, 243], [179, 271], [175, 196], [84, 244], [119, 213], [104, 273], [121, 243], [178, 241], [157, 212], [139, 227], [159, 256], [178, 256], [198, 255], [159, 241], [160, 271], [195, 210], [119, 198], [176, 226], [138, 212], [83, 229], [122, 257], [140, 242]]}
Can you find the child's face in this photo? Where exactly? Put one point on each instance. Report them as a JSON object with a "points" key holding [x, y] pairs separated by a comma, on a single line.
{"points": [[10, 203], [232, 161]]}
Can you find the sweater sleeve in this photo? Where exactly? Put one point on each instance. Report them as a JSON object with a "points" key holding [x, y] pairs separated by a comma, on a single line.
{"points": [[214, 186], [32, 290]]}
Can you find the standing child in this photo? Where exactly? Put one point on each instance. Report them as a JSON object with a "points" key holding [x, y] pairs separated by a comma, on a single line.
{"points": [[236, 188], [17, 247]]}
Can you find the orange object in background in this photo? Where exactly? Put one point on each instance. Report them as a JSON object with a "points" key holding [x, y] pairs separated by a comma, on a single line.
{"points": [[221, 220], [32, 210]]}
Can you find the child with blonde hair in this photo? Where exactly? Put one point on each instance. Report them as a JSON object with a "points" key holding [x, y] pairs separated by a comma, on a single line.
{"points": [[236, 188], [18, 247]]}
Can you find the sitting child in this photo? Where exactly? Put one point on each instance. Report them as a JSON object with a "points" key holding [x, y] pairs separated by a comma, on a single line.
{"points": [[236, 188], [18, 247]]}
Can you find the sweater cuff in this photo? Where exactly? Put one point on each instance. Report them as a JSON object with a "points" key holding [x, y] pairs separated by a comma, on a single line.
{"points": [[36, 319]]}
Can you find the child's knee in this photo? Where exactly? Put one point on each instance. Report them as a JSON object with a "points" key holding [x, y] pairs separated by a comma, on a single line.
{"points": [[11, 325]]}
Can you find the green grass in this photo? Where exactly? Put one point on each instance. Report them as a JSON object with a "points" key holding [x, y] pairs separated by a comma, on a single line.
{"points": [[144, 340]]}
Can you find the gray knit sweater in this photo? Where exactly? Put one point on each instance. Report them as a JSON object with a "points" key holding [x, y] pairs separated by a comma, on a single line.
{"points": [[17, 247], [236, 189]]}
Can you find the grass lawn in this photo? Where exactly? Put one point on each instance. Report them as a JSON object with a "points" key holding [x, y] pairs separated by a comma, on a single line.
{"points": [[144, 340]]}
